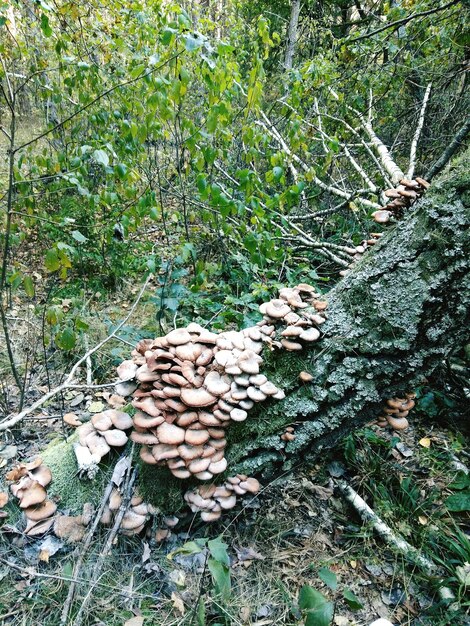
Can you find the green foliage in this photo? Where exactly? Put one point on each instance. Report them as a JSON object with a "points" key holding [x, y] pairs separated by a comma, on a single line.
{"points": [[317, 610]]}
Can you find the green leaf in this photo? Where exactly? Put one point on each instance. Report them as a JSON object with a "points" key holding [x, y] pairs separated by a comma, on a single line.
{"points": [[353, 601], [28, 286], [45, 26], [190, 547], [77, 235], [100, 156], [318, 611], [121, 170], [461, 481], [52, 262], [221, 577], [328, 577], [66, 340], [459, 502], [277, 173], [218, 550], [193, 42]]}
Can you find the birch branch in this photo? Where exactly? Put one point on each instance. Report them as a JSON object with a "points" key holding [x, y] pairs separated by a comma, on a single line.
{"points": [[387, 534], [419, 127], [269, 128], [383, 152], [68, 382]]}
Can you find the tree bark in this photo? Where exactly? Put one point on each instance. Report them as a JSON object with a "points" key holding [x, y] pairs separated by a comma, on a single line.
{"points": [[391, 321], [292, 34]]}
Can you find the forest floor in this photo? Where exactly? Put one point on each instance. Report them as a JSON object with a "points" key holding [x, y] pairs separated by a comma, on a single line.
{"points": [[298, 531]]}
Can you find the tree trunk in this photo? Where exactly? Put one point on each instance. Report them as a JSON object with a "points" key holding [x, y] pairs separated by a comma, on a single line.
{"points": [[292, 34], [391, 321]]}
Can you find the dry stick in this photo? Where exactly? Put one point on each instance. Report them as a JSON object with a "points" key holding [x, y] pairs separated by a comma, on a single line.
{"points": [[86, 545], [387, 534], [383, 152], [8, 423], [419, 128], [126, 498], [445, 157]]}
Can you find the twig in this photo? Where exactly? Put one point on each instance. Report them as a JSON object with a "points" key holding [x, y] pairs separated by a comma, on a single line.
{"points": [[126, 498], [84, 548], [454, 145], [387, 534], [9, 422], [419, 127], [403, 21]]}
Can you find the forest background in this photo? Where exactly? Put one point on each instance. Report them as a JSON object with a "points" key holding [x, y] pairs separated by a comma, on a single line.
{"points": [[225, 148]]}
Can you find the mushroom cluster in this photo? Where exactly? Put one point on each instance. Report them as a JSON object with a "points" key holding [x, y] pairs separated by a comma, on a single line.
{"points": [[211, 500], [96, 437], [288, 434], [192, 383], [360, 249], [395, 412], [134, 518], [72, 528], [402, 197], [29, 486]]}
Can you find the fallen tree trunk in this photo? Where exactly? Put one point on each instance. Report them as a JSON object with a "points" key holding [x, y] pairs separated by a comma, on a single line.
{"points": [[391, 321]]}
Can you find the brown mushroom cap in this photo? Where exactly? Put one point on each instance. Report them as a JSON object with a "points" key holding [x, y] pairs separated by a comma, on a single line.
{"points": [[310, 334], [42, 475], [3, 498], [69, 528], [120, 419], [127, 370], [35, 494], [216, 384], [97, 445], [132, 521], [276, 309], [291, 345], [305, 377], [178, 337], [397, 423], [196, 437], [34, 529], [197, 397], [115, 437], [41, 511], [381, 216], [170, 434]]}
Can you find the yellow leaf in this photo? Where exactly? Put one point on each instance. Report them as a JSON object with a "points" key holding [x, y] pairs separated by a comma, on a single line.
{"points": [[425, 442], [178, 603], [422, 520], [353, 564]]}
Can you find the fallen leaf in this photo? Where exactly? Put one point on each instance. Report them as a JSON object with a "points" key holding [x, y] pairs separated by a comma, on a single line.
{"points": [[353, 564], [425, 442], [323, 493], [78, 399], [178, 577], [178, 603], [134, 621], [95, 407], [422, 520], [71, 419], [8, 452]]}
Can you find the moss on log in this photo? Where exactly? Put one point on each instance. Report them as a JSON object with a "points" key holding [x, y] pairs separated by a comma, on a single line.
{"points": [[402, 309]]}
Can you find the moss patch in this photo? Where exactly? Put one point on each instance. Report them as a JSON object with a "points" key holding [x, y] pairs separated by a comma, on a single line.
{"points": [[66, 487]]}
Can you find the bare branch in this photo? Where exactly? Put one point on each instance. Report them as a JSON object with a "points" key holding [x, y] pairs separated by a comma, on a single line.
{"points": [[68, 382], [419, 127]]}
